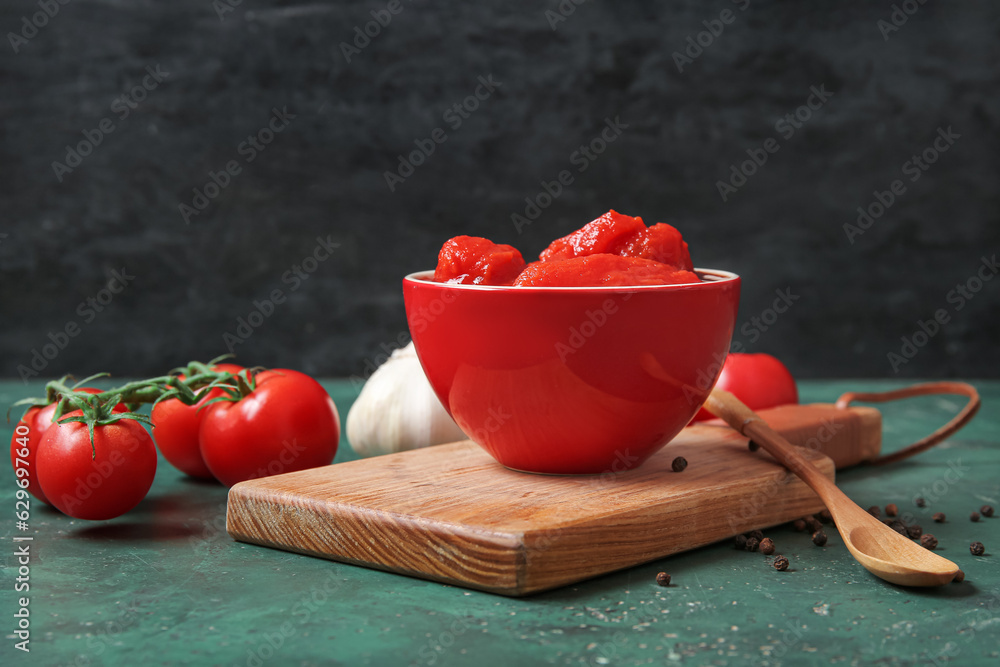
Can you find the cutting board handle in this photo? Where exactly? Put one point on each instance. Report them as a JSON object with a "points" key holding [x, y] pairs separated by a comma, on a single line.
{"points": [[925, 389]]}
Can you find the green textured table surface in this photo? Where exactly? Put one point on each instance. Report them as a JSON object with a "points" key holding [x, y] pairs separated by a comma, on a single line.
{"points": [[164, 584]]}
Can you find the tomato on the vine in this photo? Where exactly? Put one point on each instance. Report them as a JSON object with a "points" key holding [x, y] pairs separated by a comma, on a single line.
{"points": [[28, 433], [99, 481], [286, 423], [759, 380], [175, 429]]}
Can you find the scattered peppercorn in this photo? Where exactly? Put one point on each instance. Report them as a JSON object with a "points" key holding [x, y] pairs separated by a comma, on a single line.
{"points": [[898, 526], [875, 511], [974, 516], [753, 446], [780, 563], [819, 538], [986, 510], [799, 525], [939, 517], [891, 509], [928, 541], [825, 516], [752, 544], [812, 525], [919, 502], [756, 534], [663, 579], [959, 577], [767, 546], [679, 464], [741, 542], [977, 549], [914, 532]]}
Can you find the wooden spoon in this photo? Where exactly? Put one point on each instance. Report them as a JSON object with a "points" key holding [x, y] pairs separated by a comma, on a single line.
{"points": [[880, 549]]}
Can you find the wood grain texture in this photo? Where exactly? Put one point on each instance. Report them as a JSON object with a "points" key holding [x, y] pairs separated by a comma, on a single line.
{"points": [[451, 513]]}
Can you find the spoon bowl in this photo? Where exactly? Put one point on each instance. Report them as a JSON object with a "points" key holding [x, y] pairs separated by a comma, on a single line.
{"points": [[882, 551]]}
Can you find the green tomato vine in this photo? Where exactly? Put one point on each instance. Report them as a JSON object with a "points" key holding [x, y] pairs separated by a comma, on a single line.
{"points": [[188, 384]]}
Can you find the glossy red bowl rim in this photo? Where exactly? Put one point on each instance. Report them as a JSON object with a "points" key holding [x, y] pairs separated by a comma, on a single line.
{"points": [[712, 277]]}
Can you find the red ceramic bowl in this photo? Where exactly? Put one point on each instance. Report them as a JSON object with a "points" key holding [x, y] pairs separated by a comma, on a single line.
{"points": [[572, 380]]}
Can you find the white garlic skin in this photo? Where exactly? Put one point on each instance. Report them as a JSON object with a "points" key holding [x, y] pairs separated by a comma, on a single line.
{"points": [[397, 410]]}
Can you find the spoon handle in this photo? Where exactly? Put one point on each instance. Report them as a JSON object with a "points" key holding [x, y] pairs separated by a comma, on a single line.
{"points": [[723, 404]]}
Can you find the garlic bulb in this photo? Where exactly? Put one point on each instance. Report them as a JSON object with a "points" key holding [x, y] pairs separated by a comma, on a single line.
{"points": [[397, 410]]}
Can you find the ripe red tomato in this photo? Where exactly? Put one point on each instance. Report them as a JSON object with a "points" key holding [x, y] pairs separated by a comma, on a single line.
{"points": [[96, 488], [28, 433], [287, 423], [759, 380], [175, 430]]}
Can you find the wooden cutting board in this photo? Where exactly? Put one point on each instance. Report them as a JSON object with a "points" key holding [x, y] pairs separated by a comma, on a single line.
{"points": [[451, 513]]}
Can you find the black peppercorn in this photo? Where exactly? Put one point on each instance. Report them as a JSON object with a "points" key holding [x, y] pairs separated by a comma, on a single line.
{"points": [[753, 446], [819, 538], [825, 516], [780, 563], [741, 542], [939, 517], [974, 516], [986, 510], [757, 534], [898, 526], [928, 541], [799, 525], [679, 464], [977, 549], [891, 509], [767, 546], [914, 532], [919, 502], [959, 577], [752, 544], [663, 579], [875, 511], [812, 525]]}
